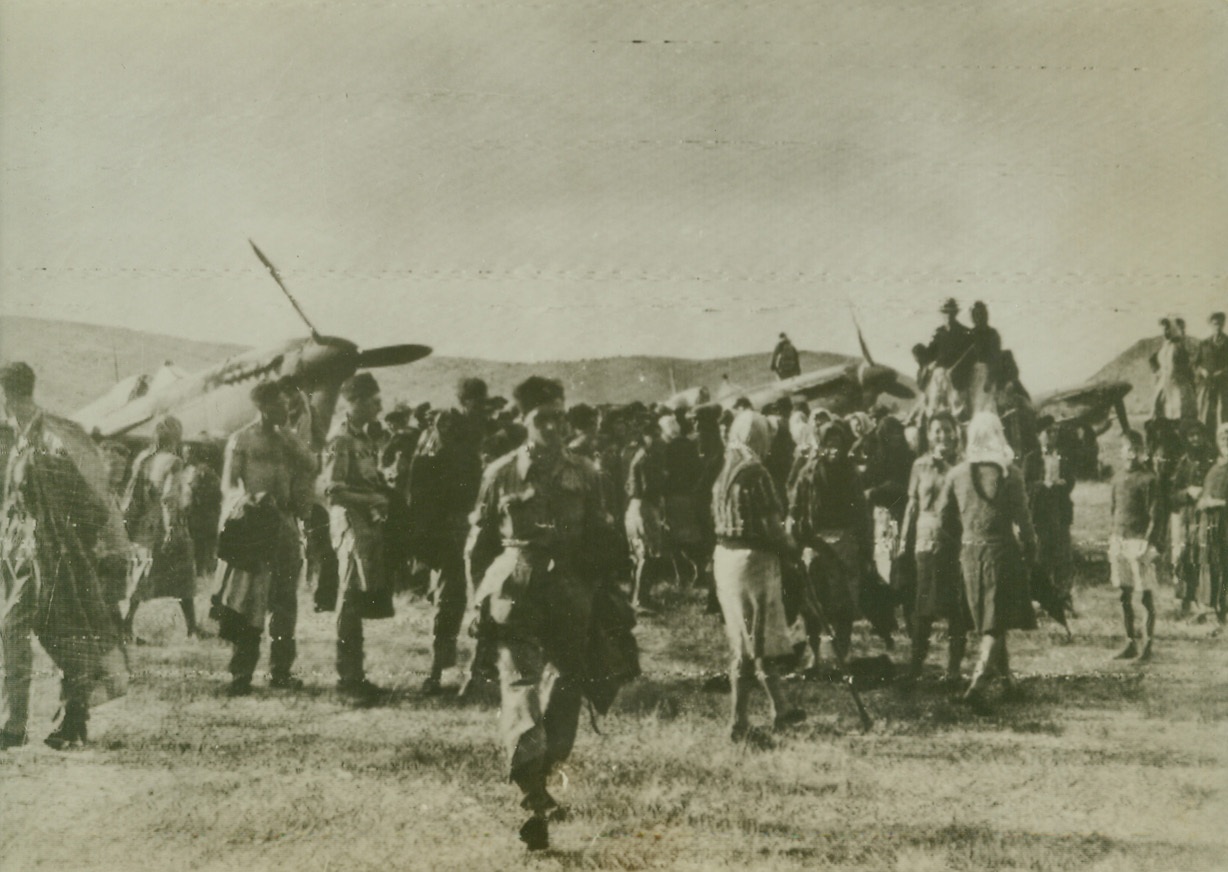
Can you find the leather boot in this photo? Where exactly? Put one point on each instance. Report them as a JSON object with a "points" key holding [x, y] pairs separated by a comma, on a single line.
{"points": [[741, 680], [916, 660], [982, 671], [955, 657], [71, 731]]}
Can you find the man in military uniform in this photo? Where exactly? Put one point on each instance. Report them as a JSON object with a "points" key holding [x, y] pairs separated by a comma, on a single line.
{"points": [[1212, 368], [265, 463], [358, 508], [785, 362], [535, 546], [443, 486], [55, 509]]}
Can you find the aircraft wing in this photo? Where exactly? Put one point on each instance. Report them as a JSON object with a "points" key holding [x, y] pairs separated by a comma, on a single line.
{"points": [[1089, 403], [832, 383]]}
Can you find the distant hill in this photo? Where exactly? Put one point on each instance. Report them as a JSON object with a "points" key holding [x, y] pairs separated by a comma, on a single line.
{"points": [[75, 363]]}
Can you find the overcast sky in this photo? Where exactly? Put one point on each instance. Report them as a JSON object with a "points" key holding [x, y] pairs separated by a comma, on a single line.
{"points": [[545, 179]]}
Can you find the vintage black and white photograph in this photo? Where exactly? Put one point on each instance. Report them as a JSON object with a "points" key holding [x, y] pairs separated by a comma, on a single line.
{"points": [[646, 435]]}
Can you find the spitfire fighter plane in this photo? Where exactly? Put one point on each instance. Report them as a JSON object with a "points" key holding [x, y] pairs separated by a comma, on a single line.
{"points": [[844, 388], [213, 403]]}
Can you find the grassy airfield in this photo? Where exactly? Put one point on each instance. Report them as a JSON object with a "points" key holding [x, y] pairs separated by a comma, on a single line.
{"points": [[1102, 766]]}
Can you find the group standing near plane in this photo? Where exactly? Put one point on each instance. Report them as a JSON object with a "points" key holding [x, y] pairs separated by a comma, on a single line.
{"points": [[552, 527]]}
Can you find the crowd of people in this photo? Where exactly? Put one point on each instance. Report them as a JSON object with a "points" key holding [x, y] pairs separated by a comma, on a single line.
{"points": [[552, 526]]}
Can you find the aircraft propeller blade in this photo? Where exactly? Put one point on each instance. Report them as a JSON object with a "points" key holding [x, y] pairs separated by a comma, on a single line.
{"points": [[861, 340], [884, 379], [1119, 406], [268, 264], [391, 355]]}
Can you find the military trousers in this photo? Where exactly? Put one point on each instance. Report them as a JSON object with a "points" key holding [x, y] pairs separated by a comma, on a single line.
{"points": [[542, 638], [450, 592], [73, 656], [283, 624]]}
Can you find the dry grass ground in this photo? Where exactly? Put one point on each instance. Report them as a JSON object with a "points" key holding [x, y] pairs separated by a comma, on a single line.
{"points": [[1101, 766]]}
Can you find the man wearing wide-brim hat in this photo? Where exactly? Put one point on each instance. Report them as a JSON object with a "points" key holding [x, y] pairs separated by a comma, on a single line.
{"points": [[1211, 367], [952, 363]]}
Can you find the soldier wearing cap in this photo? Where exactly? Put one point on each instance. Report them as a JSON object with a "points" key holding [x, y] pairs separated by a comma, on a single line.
{"points": [[534, 546], [358, 508], [1211, 366]]}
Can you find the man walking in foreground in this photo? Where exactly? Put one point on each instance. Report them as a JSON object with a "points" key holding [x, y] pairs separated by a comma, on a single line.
{"points": [[534, 544], [55, 509]]}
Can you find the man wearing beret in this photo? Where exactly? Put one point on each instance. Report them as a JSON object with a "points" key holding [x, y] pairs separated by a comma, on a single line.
{"points": [[534, 545], [1212, 369]]}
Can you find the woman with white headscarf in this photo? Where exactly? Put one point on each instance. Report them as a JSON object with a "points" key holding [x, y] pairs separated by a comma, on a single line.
{"points": [[983, 504], [750, 537]]}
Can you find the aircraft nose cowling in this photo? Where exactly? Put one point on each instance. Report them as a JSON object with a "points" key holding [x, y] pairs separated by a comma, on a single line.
{"points": [[877, 379], [327, 360]]}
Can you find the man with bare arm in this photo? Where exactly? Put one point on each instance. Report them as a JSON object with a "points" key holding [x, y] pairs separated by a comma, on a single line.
{"points": [[262, 475]]}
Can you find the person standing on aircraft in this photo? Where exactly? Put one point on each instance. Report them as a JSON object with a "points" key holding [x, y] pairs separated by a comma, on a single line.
{"points": [[1212, 370], [1174, 391], [53, 512], [155, 512], [785, 360], [262, 477], [358, 509], [986, 355], [949, 352]]}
